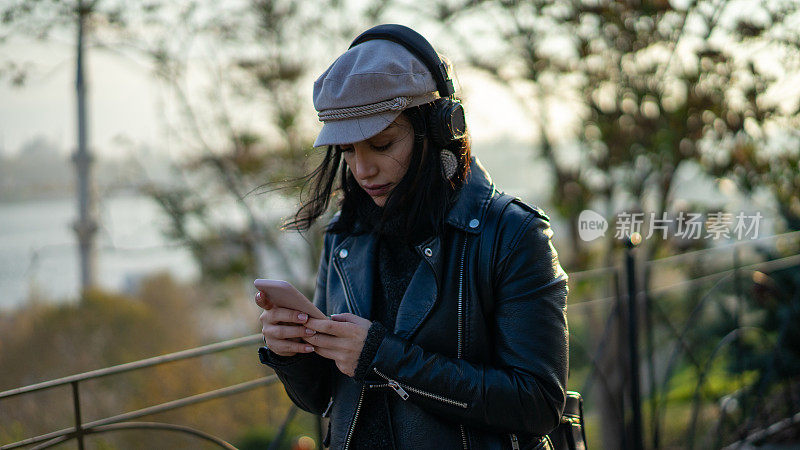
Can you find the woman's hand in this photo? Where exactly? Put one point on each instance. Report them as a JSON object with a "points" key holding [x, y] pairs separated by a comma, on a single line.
{"points": [[282, 328], [340, 339]]}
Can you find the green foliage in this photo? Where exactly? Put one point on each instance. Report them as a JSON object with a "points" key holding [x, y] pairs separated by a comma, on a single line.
{"points": [[256, 438], [716, 383], [650, 86]]}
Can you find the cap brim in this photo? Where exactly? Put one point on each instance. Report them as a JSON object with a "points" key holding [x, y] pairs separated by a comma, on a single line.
{"points": [[348, 131]]}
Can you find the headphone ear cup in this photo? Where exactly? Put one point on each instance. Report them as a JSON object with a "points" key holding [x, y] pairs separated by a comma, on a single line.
{"points": [[457, 125], [447, 122]]}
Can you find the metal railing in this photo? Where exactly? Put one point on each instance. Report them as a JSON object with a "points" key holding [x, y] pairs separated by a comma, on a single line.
{"points": [[114, 423], [631, 305], [634, 305]]}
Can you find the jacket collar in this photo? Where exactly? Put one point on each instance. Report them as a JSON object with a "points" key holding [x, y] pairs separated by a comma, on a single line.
{"points": [[356, 264], [471, 203], [468, 212]]}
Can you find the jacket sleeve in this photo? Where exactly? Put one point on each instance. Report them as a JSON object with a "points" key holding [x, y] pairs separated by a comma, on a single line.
{"points": [[523, 389], [306, 377]]}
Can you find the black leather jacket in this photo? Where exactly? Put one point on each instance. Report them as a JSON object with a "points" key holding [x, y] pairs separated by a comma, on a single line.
{"points": [[468, 374]]}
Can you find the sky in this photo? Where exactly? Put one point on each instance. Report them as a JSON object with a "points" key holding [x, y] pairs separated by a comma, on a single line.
{"points": [[122, 100], [125, 102], [127, 107]]}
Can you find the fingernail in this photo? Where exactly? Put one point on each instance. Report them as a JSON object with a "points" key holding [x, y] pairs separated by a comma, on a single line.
{"points": [[310, 331], [302, 317], [309, 348]]}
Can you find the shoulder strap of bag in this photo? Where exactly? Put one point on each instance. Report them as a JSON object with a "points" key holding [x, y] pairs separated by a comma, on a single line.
{"points": [[570, 434], [487, 244]]}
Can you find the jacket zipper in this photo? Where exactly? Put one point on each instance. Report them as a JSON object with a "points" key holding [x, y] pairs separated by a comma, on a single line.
{"points": [[461, 300], [461, 307], [402, 391], [460, 326], [355, 419], [363, 388]]}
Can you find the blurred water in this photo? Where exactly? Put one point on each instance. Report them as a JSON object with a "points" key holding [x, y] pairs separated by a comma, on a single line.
{"points": [[38, 250]]}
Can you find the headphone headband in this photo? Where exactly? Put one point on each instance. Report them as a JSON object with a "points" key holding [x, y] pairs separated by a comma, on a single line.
{"points": [[418, 46]]}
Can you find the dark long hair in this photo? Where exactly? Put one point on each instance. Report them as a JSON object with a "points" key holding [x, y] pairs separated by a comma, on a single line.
{"points": [[418, 204]]}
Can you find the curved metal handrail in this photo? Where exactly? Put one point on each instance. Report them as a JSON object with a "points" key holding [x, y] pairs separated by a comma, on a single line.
{"points": [[761, 435], [690, 322], [701, 378], [141, 426], [81, 429], [150, 410], [141, 364], [662, 401]]}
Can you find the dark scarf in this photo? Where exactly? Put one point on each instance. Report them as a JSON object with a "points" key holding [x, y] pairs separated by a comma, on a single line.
{"points": [[370, 216], [369, 219]]}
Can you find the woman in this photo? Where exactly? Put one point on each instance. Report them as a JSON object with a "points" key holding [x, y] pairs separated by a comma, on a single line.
{"points": [[417, 354]]}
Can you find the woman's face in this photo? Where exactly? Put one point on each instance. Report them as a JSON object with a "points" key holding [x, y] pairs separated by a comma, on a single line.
{"points": [[379, 163]]}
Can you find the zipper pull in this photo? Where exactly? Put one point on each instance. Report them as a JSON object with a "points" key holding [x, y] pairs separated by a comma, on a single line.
{"points": [[514, 442], [393, 384], [327, 411], [399, 389]]}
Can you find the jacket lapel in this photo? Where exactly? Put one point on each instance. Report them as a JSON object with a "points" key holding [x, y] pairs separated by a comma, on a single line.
{"points": [[356, 265], [466, 215], [355, 262], [423, 289]]}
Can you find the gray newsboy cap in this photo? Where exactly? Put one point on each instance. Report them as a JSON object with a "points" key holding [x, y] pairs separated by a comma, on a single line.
{"points": [[366, 88]]}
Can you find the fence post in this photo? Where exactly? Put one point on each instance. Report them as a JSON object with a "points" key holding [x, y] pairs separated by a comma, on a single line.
{"points": [[737, 324], [633, 340], [651, 368], [76, 404]]}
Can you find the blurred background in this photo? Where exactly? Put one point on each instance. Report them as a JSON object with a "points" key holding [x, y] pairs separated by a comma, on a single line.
{"points": [[149, 152]]}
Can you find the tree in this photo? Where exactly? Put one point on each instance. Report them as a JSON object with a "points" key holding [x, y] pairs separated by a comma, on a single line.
{"points": [[253, 129], [40, 19], [235, 78], [653, 86]]}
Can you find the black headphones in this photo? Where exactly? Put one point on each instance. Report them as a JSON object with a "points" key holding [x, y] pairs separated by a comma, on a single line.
{"points": [[447, 121]]}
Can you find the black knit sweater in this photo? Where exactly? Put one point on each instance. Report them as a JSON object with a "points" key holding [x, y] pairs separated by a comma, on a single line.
{"points": [[396, 260]]}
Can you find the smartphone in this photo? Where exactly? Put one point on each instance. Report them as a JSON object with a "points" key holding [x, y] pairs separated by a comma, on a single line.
{"points": [[282, 293]]}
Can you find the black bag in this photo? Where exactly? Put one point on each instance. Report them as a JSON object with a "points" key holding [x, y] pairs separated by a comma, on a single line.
{"points": [[569, 434]]}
